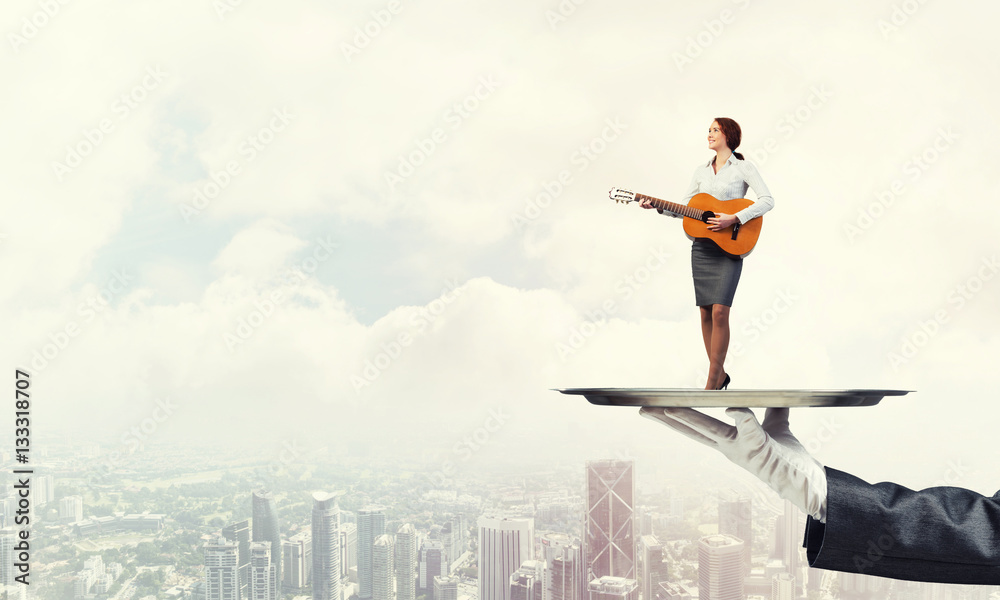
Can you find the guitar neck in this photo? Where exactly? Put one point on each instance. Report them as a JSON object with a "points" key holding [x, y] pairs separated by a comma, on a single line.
{"points": [[681, 209]]}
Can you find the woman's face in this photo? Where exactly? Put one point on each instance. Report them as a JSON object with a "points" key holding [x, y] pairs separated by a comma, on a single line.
{"points": [[716, 139]]}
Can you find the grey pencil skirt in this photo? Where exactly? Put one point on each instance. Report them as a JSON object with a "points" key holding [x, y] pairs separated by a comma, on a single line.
{"points": [[715, 273]]}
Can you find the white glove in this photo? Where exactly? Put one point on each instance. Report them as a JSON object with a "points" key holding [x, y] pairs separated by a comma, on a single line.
{"points": [[771, 452]]}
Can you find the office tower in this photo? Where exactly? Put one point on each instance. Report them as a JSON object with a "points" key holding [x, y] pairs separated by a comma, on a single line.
{"points": [[262, 575], [383, 570], [71, 509], [325, 547], [720, 568], [406, 563], [371, 524], [296, 558], [458, 535], [564, 566], [239, 532], [221, 570], [7, 543], [612, 588], [736, 519], [528, 582], [783, 587], [791, 538], [445, 587], [652, 565], [431, 563], [265, 528], [348, 549], [609, 537], [504, 543]]}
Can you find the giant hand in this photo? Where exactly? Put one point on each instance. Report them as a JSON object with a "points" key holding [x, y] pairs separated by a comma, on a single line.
{"points": [[770, 451]]}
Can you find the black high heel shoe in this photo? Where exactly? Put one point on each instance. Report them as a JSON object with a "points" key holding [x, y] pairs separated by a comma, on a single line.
{"points": [[725, 383]]}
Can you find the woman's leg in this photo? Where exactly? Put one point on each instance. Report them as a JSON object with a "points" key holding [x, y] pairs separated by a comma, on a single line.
{"points": [[717, 343]]}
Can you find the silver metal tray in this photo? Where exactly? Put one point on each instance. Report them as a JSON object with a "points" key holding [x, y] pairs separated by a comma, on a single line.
{"points": [[726, 398]]}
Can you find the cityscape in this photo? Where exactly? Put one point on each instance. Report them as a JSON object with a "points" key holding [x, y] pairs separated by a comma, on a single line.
{"points": [[367, 529]]}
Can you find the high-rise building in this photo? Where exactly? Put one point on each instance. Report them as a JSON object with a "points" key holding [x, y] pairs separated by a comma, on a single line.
{"points": [[296, 557], [371, 524], [71, 509], [239, 532], [720, 568], [406, 563], [504, 543], [613, 588], [564, 567], [431, 562], [265, 528], [791, 538], [652, 565], [783, 587], [7, 542], [610, 539], [348, 550], [262, 574], [383, 570], [736, 519], [325, 547], [528, 582], [221, 570], [445, 587]]}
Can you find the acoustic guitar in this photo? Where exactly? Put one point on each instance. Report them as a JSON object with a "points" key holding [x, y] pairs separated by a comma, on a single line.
{"points": [[736, 240]]}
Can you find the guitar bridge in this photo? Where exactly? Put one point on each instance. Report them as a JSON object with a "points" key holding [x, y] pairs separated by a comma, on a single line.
{"points": [[736, 229]]}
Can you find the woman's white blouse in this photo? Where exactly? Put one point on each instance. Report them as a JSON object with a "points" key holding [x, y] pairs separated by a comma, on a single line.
{"points": [[729, 183]]}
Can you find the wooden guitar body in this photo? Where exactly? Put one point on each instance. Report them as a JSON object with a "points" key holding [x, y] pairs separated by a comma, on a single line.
{"points": [[746, 237]]}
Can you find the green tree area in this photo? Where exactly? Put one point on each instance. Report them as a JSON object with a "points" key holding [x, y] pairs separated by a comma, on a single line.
{"points": [[149, 583]]}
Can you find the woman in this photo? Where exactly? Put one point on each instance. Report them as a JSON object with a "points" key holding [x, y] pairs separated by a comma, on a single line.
{"points": [[716, 274]]}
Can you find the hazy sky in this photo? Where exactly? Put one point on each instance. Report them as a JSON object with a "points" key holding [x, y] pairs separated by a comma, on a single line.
{"points": [[389, 222]]}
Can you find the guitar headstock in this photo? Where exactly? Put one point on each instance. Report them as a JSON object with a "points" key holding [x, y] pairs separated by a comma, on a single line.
{"points": [[621, 195]]}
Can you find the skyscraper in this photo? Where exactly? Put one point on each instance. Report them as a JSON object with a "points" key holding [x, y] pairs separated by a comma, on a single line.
{"points": [[504, 543], [431, 563], [239, 532], [564, 567], [7, 542], [445, 587], [528, 581], [325, 547], [296, 558], [783, 587], [221, 576], [262, 574], [265, 528], [736, 519], [610, 542], [371, 524], [406, 563], [720, 568], [791, 539], [383, 570], [613, 588], [652, 567], [348, 550]]}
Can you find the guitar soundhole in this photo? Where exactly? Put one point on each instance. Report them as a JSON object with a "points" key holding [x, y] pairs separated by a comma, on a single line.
{"points": [[705, 216]]}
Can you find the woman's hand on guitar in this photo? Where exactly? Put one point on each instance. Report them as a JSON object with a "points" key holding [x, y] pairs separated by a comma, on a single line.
{"points": [[646, 204], [720, 221]]}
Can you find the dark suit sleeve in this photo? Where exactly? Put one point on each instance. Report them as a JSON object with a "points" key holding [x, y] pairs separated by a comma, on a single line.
{"points": [[942, 534]]}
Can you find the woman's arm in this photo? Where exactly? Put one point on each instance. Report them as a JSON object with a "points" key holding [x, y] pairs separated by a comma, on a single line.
{"points": [[764, 201]]}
